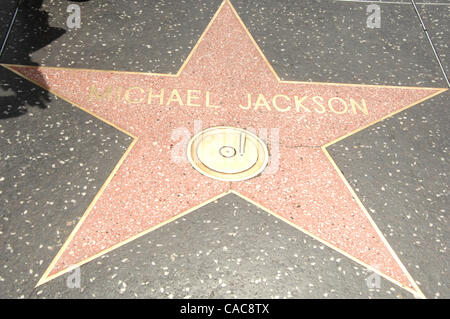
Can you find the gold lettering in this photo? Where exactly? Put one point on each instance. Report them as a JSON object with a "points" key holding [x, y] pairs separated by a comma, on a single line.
{"points": [[106, 93], [151, 96], [119, 93], [207, 101], [330, 105], [274, 102], [191, 97], [175, 96], [298, 103], [261, 101], [128, 91], [362, 108], [249, 102], [319, 103]]}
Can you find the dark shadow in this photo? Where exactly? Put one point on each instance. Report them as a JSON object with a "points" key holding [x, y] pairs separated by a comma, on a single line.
{"points": [[29, 33]]}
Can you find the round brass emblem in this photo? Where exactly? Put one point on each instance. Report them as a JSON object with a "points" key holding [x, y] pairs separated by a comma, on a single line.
{"points": [[227, 153]]}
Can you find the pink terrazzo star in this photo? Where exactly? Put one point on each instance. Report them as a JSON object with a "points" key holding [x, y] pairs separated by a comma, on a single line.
{"points": [[224, 71]]}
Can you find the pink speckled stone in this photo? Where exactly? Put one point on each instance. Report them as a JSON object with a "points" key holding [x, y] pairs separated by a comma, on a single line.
{"points": [[149, 188]]}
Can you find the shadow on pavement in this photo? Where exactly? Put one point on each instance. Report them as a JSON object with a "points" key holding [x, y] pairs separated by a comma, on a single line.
{"points": [[30, 32]]}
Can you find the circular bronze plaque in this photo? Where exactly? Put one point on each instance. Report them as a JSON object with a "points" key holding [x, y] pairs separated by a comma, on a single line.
{"points": [[227, 153]]}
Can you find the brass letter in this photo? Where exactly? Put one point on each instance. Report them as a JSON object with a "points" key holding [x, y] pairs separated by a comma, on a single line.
{"points": [[151, 96], [319, 103], [175, 96], [119, 93], [362, 108], [106, 93], [207, 101], [249, 99], [274, 102], [127, 95], [298, 103], [261, 101], [340, 100], [190, 97]]}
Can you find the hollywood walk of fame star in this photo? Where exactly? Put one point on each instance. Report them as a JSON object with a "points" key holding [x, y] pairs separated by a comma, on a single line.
{"points": [[226, 80]]}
